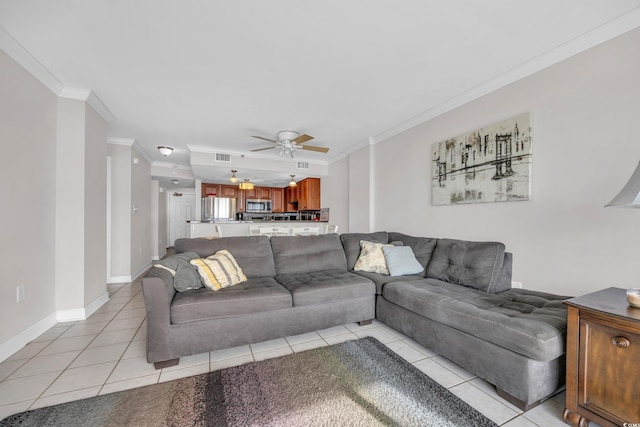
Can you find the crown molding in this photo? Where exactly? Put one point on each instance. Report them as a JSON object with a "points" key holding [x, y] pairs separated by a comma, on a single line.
{"points": [[19, 54], [90, 98], [598, 35], [121, 141], [138, 149], [171, 165]]}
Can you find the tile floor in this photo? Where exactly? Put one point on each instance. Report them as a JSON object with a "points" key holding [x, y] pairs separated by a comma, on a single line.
{"points": [[106, 353]]}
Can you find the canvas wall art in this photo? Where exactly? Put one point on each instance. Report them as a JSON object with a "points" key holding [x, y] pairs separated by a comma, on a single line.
{"points": [[491, 164]]}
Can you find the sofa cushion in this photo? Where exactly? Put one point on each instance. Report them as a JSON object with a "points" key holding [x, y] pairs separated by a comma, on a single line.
{"points": [[381, 280], [252, 253], [219, 270], [185, 276], [351, 244], [371, 257], [527, 322], [319, 287], [423, 247], [257, 294], [401, 261], [473, 264], [304, 254]]}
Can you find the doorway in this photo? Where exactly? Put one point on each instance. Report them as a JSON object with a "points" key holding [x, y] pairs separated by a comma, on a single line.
{"points": [[182, 208]]}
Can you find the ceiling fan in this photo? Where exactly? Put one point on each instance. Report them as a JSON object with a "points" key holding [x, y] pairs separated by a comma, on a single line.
{"points": [[289, 141]]}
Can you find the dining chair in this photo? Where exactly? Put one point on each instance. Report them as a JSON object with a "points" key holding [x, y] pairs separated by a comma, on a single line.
{"points": [[305, 231]]}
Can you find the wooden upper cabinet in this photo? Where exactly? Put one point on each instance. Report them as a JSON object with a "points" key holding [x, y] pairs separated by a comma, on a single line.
{"points": [[263, 192], [291, 199], [210, 189], [229, 191], [277, 200], [309, 194]]}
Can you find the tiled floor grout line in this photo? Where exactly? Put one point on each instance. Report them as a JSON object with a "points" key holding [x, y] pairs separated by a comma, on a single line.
{"points": [[81, 351], [402, 345]]}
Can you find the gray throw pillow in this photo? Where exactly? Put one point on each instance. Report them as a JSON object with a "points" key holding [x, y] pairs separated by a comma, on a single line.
{"points": [[185, 275], [401, 261]]}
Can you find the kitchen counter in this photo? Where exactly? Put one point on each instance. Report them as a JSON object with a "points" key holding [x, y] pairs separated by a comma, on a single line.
{"points": [[241, 228]]}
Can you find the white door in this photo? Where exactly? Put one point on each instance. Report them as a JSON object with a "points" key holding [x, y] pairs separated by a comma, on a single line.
{"points": [[182, 207]]}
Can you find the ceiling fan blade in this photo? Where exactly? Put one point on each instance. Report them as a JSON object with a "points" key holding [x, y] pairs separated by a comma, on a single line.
{"points": [[314, 148], [263, 138], [302, 138], [265, 148]]}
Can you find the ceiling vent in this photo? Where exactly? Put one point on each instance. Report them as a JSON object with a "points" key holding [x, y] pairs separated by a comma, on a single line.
{"points": [[303, 165], [225, 158]]}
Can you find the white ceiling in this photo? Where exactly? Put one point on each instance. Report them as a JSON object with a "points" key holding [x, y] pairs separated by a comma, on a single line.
{"points": [[209, 74]]}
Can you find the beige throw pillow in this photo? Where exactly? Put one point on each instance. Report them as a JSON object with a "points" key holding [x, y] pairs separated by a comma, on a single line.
{"points": [[219, 270], [371, 258]]}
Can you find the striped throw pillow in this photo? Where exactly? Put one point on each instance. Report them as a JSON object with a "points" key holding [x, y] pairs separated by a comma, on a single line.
{"points": [[219, 270], [371, 258]]}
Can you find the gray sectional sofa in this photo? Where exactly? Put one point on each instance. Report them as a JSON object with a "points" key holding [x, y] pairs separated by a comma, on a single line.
{"points": [[294, 285], [460, 305]]}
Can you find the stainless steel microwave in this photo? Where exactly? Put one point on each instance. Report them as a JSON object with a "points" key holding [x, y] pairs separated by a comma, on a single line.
{"points": [[258, 206]]}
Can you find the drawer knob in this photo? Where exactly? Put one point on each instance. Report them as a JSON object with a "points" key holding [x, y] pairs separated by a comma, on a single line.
{"points": [[621, 342]]}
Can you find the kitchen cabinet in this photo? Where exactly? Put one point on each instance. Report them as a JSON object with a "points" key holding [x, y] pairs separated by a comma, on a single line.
{"points": [[603, 349], [258, 193], [309, 194], [240, 203], [277, 200], [291, 199], [210, 189], [229, 191]]}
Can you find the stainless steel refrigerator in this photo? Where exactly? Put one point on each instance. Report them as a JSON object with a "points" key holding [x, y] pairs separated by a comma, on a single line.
{"points": [[218, 208]]}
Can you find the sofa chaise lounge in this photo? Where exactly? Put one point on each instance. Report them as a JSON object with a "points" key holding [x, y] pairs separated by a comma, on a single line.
{"points": [[460, 304]]}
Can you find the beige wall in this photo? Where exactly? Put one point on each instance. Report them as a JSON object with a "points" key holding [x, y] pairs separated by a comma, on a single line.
{"points": [[334, 193], [95, 209], [131, 213], [28, 139], [361, 187], [585, 147], [121, 159], [140, 242]]}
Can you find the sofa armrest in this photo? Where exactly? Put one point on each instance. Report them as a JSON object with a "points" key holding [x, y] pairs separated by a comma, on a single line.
{"points": [[158, 292]]}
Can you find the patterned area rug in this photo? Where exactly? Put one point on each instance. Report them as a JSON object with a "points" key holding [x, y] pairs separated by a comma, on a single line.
{"points": [[356, 383]]}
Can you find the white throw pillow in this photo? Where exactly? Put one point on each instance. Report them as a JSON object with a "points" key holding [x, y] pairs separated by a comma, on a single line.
{"points": [[371, 258]]}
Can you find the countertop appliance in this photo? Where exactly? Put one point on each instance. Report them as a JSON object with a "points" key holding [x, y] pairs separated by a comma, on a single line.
{"points": [[258, 206], [217, 208]]}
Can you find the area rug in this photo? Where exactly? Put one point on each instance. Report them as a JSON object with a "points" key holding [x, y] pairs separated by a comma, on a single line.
{"points": [[356, 383]]}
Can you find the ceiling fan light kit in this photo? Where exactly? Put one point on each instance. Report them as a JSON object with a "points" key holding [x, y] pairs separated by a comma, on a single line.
{"points": [[288, 142]]}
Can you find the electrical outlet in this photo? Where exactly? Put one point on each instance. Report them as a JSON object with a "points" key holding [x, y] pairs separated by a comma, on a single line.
{"points": [[517, 285], [20, 293]]}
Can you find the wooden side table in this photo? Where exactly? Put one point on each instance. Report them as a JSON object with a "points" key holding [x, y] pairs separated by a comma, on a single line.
{"points": [[603, 360]]}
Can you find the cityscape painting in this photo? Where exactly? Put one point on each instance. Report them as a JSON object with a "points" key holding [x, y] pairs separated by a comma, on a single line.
{"points": [[491, 164]]}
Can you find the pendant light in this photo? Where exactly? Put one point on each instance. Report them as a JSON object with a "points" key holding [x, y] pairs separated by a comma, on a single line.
{"points": [[233, 178], [246, 185], [292, 183]]}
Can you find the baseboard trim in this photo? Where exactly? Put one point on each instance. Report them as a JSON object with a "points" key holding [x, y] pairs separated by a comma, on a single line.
{"points": [[82, 313], [119, 279], [140, 272], [13, 345]]}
